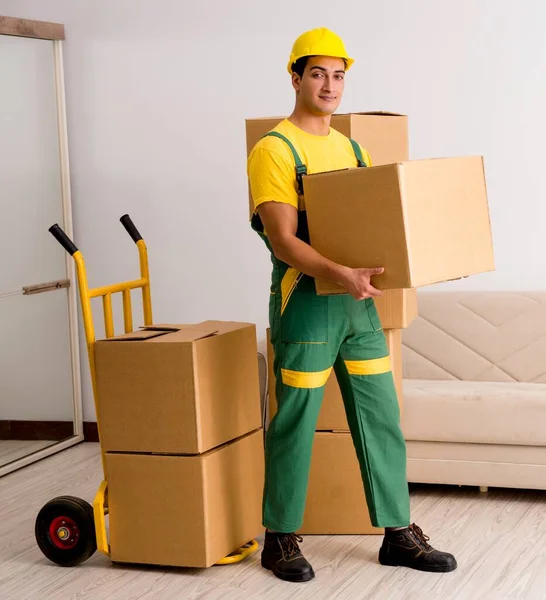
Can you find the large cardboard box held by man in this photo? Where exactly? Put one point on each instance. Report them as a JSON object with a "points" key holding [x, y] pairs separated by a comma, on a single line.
{"points": [[186, 511], [178, 389], [336, 502], [424, 221], [332, 415]]}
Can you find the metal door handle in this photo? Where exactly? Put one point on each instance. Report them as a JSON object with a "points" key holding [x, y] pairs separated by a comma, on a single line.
{"points": [[50, 286], [38, 288]]}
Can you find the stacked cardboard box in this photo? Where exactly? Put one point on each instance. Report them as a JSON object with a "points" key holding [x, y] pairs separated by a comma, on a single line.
{"points": [[180, 422], [430, 223]]}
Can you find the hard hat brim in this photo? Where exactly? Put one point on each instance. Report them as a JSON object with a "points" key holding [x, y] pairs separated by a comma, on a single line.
{"points": [[348, 61]]}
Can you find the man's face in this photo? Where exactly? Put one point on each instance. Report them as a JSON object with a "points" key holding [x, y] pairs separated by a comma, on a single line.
{"points": [[321, 87]]}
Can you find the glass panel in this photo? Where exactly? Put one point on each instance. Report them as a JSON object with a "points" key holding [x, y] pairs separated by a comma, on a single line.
{"points": [[36, 391], [30, 173]]}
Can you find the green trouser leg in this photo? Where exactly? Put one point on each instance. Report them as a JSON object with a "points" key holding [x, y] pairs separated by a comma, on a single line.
{"points": [[373, 414], [310, 334]]}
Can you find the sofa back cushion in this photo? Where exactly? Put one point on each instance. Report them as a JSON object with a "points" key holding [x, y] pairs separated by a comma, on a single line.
{"points": [[477, 336]]}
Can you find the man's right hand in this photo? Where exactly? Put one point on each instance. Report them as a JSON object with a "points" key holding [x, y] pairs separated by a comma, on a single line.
{"points": [[357, 282]]}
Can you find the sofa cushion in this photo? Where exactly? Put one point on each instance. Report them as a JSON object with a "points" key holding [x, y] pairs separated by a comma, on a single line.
{"points": [[474, 411], [477, 336]]}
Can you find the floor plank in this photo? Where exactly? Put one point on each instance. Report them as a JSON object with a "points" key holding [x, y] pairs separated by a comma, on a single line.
{"points": [[11, 450], [499, 539]]}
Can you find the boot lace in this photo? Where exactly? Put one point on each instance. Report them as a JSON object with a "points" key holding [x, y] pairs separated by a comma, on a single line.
{"points": [[289, 544], [421, 538]]}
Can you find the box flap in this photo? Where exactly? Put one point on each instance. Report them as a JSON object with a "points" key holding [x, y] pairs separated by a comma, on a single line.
{"points": [[223, 327], [163, 327], [135, 335], [188, 333], [184, 332], [191, 334], [167, 333]]}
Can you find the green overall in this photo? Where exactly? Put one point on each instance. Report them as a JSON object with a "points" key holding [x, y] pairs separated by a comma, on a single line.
{"points": [[310, 335]]}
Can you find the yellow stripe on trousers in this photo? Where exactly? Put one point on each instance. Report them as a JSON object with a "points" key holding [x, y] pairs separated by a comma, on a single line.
{"points": [[288, 285], [373, 366], [305, 380]]}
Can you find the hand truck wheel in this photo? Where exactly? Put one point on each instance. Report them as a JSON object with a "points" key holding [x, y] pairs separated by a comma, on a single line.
{"points": [[65, 531]]}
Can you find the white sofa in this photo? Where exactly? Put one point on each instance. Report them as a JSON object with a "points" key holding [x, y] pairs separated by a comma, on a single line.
{"points": [[474, 410]]}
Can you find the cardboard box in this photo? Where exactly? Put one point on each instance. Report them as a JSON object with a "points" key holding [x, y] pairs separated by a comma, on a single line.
{"points": [[186, 511], [424, 221], [336, 502], [397, 309], [332, 413], [179, 389], [383, 134]]}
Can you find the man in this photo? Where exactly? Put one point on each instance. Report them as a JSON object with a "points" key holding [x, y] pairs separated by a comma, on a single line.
{"points": [[312, 334]]}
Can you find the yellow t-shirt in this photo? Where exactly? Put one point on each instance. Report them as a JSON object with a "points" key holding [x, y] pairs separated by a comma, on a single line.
{"points": [[271, 166]]}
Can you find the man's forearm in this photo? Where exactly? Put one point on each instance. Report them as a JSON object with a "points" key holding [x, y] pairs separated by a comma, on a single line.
{"points": [[306, 259]]}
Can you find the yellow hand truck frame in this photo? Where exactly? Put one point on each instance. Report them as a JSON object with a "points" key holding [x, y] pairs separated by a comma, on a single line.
{"points": [[69, 530]]}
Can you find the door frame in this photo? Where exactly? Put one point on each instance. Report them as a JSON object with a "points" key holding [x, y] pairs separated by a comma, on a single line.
{"points": [[55, 33]]}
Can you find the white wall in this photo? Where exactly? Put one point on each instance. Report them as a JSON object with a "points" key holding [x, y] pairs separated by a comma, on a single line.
{"points": [[157, 96]]}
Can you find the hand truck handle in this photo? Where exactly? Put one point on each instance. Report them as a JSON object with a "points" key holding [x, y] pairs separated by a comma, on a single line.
{"points": [[63, 239], [130, 227]]}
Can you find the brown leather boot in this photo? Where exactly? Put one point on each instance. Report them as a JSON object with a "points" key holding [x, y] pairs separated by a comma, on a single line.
{"points": [[281, 554], [409, 547]]}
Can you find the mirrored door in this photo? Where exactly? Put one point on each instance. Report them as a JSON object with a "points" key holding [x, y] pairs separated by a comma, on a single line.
{"points": [[40, 389]]}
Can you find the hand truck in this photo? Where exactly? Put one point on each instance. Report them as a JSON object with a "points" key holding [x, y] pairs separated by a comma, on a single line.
{"points": [[69, 530]]}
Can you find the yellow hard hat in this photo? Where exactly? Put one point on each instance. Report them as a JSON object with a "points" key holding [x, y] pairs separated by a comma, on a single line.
{"points": [[318, 42]]}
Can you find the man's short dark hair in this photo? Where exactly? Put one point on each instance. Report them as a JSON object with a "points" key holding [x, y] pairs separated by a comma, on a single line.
{"points": [[299, 66]]}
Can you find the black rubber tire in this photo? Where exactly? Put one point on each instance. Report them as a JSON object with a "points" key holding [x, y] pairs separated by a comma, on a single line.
{"points": [[81, 513]]}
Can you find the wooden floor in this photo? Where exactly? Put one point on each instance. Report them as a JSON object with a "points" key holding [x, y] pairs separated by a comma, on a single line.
{"points": [[11, 450], [499, 539]]}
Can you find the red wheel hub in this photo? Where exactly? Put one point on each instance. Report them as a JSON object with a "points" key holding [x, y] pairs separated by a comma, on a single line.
{"points": [[64, 532]]}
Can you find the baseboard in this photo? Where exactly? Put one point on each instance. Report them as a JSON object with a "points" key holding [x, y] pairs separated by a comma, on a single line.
{"points": [[90, 431], [45, 430], [36, 430]]}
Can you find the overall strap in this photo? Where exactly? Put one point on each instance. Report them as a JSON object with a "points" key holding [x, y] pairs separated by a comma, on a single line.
{"points": [[358, 153], [301, 169]]}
